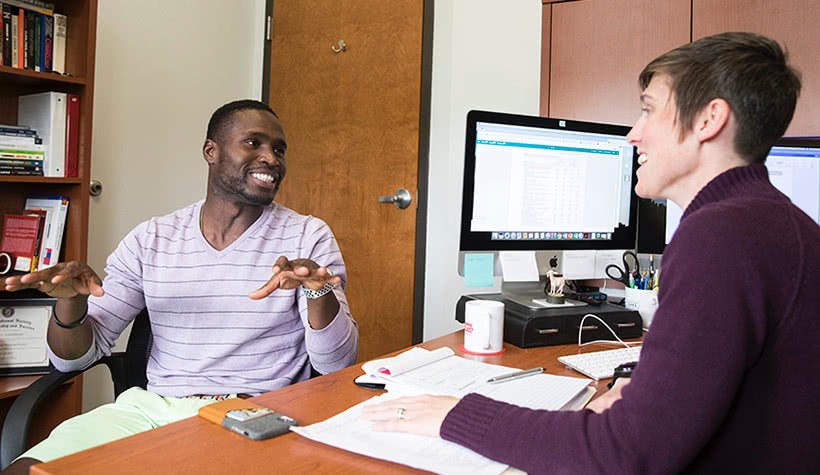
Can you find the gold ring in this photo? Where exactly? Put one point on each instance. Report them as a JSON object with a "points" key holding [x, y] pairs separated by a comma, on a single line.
{"points": [[400, 412]]}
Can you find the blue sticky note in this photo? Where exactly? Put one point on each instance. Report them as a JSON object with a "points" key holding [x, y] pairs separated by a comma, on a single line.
{"points": [[478, 270]]}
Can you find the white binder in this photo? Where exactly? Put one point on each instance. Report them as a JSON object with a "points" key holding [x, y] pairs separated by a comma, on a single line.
{"points": [[46, 113]]}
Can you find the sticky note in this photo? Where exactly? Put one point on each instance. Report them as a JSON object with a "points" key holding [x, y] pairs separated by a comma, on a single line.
{"points": [[518, 266], [478, 269], [605, 258], [578, 264]]}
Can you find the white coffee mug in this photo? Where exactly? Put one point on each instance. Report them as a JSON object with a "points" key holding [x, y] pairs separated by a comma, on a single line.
{"points": [[483, 327], [644, 301]]}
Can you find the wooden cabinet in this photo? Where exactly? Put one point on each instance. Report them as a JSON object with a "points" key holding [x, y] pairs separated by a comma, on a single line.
{"points": [[593, 50], [598, 48], [793, 23], [80, 49]]}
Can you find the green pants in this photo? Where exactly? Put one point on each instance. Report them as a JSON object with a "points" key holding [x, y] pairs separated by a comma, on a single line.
{"points": [[135, 410]]}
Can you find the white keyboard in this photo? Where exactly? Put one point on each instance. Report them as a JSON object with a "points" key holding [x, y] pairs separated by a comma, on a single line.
{"points": [[601, 364]]}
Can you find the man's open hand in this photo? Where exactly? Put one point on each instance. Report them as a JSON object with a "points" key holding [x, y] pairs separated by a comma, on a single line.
{"points": [[64, 280], [289, 274]]}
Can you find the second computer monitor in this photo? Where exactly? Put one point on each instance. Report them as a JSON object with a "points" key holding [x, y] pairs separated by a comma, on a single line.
{"points": [[534, 183], [794, 169]]}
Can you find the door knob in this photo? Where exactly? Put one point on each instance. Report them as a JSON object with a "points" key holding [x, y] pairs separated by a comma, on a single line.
{"points": [[342, 47], [401, 199], [95, 189]]}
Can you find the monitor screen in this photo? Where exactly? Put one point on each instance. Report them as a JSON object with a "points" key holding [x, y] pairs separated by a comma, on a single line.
{"points": [[534, 183], [794, 169]]}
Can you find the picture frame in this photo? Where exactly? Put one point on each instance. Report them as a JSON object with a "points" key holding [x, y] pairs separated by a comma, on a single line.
{"points": [[23, 327]]}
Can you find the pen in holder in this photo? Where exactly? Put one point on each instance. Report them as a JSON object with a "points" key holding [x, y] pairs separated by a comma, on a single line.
{"points": [[644, 301]]}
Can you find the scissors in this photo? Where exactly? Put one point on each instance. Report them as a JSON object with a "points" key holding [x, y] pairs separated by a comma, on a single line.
{"points": [[622, 274]]}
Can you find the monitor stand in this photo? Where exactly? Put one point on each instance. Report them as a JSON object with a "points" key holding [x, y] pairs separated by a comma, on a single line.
{"points": [[531, 295]]}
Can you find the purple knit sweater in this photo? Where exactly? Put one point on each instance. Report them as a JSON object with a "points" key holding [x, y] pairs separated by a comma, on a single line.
{"points": [[209, 337], [729, 377]]}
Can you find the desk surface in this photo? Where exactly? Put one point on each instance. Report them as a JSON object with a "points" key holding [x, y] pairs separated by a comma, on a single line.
{"points": [[195, 445]]}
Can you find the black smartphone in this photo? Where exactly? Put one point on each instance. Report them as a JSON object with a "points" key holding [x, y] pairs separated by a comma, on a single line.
{"points": [[258, 423]]}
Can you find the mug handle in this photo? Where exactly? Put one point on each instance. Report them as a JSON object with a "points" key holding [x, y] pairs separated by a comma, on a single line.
{"points": [[488, 329], [8, 263]]}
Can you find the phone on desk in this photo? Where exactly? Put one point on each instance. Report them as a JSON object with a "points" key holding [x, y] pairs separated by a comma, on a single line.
{"points": [[247, 419], [257, 423]]}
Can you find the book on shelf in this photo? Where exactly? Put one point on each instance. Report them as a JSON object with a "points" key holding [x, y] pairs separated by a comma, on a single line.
{"points": [[21, 154], [14, 37], [11, 141], [28, 34], [41, 214], [48, 43], [46, 8], [46, 113], [20, 240], [56, 208], [5, 36], [60, 32], [21, 38]]}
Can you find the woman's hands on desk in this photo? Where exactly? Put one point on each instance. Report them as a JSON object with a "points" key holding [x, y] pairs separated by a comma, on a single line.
{"points": [[422, 415], [63, 281]]}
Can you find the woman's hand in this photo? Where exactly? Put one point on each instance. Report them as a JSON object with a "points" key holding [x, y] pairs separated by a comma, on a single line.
{"points": [[421, 415]]}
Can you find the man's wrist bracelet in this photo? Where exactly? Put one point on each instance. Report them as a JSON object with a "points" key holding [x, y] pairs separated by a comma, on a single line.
{"points": [[69, 325], [315, 294]]}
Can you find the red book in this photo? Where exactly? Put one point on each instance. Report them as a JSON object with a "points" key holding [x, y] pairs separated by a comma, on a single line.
{"points": [[72, 134], [20, 240], [38, 249]]}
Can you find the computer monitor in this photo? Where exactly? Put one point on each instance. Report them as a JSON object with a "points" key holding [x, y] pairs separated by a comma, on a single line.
{"points": [[543, 184], [794, 169]]}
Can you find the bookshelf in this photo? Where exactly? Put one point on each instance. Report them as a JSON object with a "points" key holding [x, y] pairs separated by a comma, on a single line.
{"points": [[79, 79]]}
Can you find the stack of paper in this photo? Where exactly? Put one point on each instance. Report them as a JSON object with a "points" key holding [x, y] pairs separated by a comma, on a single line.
{"points": [[440, 372]]}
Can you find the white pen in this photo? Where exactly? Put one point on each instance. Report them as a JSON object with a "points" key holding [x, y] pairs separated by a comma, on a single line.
{"points": [[518, 374]]}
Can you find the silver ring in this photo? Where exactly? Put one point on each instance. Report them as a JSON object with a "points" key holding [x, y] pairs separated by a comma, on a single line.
{"points": [[400, 413]]}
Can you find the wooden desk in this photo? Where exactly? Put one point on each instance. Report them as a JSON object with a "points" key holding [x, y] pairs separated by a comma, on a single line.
{"points": [[195, 445]]}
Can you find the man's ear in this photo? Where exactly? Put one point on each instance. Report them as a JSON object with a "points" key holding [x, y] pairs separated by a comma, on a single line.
{"points": [[210, 151], [711, 120]]}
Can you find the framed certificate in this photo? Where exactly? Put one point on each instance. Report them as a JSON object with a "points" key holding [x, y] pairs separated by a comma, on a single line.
{"points": [[23, 326]]}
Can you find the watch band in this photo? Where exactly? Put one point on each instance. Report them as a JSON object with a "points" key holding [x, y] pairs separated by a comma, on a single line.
{"points": [[315, 294], [69, 326]]}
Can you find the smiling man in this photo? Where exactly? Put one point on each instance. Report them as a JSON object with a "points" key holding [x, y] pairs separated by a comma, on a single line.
{"points": [[223, 322], [726, 381]]}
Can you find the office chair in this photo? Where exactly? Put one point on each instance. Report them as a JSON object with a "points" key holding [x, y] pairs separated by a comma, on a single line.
{"points": [[127, 370]]}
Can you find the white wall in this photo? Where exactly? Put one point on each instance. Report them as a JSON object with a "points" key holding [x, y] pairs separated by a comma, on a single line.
{"points": [[486, 55], [162, 68]]}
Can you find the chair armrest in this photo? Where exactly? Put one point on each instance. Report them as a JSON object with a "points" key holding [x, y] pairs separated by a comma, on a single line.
{"points": [[18, 420]]}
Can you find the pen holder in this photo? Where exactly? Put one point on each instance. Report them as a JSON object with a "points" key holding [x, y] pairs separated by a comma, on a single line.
{"points": [[644, 301]]}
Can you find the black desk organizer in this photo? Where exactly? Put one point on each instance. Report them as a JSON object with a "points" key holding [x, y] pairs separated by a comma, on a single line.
{"points": [[527, 327]]}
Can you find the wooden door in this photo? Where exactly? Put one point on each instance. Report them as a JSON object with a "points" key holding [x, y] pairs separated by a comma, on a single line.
{"points": [[599, 48], [793, 23], [351, 119]]}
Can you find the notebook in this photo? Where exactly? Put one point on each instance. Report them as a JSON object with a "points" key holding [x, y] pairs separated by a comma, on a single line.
{"points": [[419, 371]]}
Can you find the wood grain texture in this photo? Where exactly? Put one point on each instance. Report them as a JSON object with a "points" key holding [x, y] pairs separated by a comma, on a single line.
{"points": [[351, 120], [195, 445], [793, 23], [600, 47]]}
